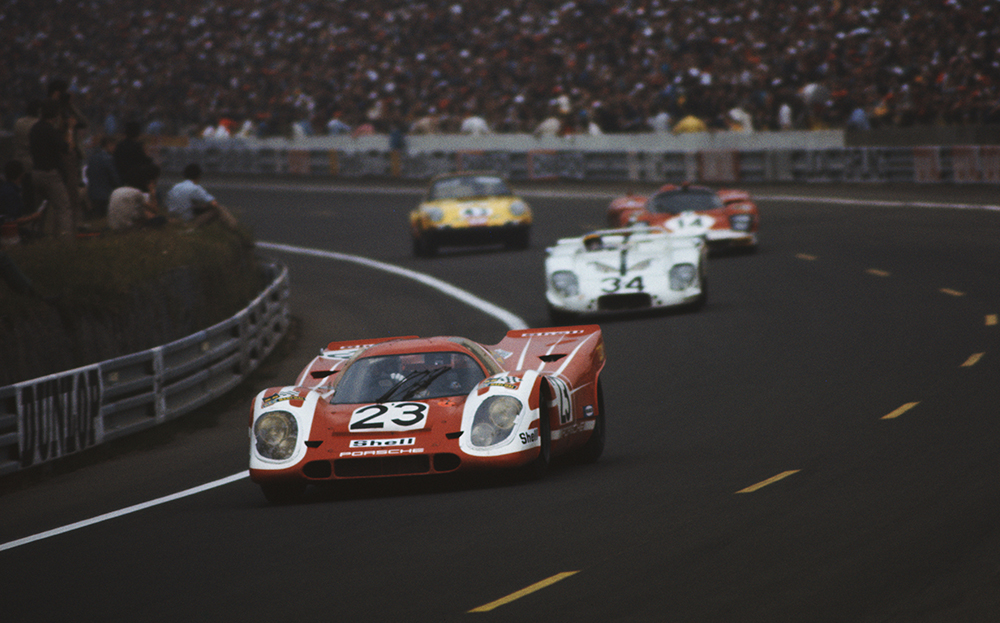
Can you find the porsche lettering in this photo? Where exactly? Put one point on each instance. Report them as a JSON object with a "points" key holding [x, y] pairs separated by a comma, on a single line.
{"points": [[382, 452]]}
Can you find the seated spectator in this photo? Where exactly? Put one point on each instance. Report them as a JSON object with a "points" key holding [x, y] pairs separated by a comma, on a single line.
{"points": [[134, 205], [102, 176], [12, 204], [474, 125], [551, 126], [690, 124], [130, 153], [189, 202]]}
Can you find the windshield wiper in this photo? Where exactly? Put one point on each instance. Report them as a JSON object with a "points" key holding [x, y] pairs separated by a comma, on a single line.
{"points": [[428, 375], [426, 382]]}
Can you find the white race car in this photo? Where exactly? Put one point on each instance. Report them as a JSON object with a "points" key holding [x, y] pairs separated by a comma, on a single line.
{"points": [[633, 268]]}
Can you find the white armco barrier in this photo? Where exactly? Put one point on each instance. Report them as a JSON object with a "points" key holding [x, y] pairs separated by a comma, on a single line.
{"points": [[711, 165], [48, 418]]}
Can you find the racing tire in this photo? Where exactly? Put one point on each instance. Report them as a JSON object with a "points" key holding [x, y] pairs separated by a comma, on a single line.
{"points": [[519, 239], [536, 469], [423, 246], [702, 299], [590, 451], [281, 493]]}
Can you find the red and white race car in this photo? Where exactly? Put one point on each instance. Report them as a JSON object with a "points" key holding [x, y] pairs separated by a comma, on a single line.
{"points": [[727, 218], [413, 406]]}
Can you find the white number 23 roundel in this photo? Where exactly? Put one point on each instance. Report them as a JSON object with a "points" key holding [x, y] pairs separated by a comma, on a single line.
{"points": [[390, 416]]}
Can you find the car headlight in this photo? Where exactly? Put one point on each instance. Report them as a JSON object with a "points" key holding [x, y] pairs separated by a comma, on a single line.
{"points": [[518, 208], [682, 276], [740, 222], [276, 433], [494, 420], [565, 282], [434, 215]]}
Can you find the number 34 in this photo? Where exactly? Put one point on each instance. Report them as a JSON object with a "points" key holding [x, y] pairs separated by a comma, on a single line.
{"points": [[614, 284]]}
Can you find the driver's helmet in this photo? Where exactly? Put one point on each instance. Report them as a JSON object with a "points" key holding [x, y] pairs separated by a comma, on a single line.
{"points": [[593, 242]]}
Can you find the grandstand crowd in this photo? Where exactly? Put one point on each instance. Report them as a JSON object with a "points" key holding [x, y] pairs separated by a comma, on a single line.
{"points": [[268, 66]]}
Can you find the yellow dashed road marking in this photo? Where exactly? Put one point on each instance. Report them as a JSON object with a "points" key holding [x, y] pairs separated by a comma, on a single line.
{"points": [[991, 320], [900, 411], [951, 292], [805, 256], [877, 272], [971, 361], [764, 483], [524, 591]]}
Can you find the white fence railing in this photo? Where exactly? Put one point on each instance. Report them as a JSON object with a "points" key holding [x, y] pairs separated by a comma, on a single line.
{"points": [[57, 415], [960, 164]]}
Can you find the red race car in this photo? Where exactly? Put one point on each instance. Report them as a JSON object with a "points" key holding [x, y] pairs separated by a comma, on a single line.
{"points": [[415, 406], [728, 218]]}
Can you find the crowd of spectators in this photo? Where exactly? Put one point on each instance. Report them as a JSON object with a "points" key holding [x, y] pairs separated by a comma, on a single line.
{"points": [[316, 66]]}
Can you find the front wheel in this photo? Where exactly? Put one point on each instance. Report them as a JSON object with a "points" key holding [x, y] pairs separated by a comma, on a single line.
{"points": [[537, 468], [283, 492]]}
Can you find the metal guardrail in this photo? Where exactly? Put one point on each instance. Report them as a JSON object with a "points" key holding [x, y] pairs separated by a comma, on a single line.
{"points": [[960, 164], [51, 417]]}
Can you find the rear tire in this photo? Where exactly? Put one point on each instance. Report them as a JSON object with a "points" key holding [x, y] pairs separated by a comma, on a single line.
{"points": [[590, 451], [520, 239]]}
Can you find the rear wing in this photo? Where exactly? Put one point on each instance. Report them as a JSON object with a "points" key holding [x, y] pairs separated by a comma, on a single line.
{"points": [[335, 349], [552, 349]]}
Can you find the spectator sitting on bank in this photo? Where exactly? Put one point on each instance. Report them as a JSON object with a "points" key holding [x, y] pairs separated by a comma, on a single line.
{"points": [[189, 202], [130, 152], [102, 176], [12, 204], [134, 205]]}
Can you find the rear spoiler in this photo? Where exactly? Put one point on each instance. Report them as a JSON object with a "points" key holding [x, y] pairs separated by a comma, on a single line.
{"points": [[551, 344], [333, 347]]}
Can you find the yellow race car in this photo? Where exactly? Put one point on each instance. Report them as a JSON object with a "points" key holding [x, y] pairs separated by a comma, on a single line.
{"points": [[469, 208]]}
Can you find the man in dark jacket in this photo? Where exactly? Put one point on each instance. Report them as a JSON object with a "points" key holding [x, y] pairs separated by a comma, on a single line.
{"points": [[48, 148]]}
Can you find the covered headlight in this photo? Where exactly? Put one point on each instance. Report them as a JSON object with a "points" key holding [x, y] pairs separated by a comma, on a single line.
{"points": [[494, 420], [276, 433], [682, 276], [434, 215], [740, 222], [518, 208], [565, 282]]}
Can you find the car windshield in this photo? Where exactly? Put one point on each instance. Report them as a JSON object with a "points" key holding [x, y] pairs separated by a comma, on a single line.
{"points": [[677, 201], [411, 376], [468, 188]]}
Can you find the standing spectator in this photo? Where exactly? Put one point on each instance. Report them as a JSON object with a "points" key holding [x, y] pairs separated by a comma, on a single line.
{"points": [[134, 205], [22, 150], [70, 120], [49, 147], [130, 152], [102, 176], [192, 204]]}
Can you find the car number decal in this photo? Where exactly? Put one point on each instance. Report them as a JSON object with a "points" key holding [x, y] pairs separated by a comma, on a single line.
{"points": [[690, 223], [391, 416], [563, 400], [614, 284]]}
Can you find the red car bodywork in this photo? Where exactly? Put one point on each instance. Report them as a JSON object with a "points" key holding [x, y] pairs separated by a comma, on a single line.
{"points": [[735, 218], [553, 372]]}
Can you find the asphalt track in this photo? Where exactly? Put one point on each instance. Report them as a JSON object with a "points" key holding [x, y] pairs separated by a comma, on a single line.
{"points": [[820, 443]]}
